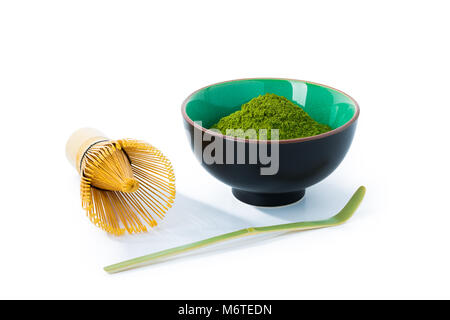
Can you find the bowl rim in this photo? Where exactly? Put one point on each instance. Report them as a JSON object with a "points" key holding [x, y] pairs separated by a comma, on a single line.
{"points": [[319, 136]]}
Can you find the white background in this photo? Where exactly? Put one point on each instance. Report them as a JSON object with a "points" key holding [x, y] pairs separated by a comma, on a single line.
{"points": [[124, 67]]}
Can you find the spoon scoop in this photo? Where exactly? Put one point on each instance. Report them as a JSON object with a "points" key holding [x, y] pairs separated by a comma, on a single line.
{"points": [[345, 214]]}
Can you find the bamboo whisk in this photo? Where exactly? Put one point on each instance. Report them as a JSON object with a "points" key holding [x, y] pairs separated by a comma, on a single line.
{"points": [[125, 183]]}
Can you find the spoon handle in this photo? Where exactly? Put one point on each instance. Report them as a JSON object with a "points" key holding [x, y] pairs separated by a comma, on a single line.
{"points": [[343, 215]]}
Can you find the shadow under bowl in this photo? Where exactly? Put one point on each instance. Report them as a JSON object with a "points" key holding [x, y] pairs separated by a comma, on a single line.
{"points": [[268, 173]]}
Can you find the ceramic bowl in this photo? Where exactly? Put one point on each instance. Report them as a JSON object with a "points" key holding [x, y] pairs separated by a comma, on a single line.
{"points": [[301, 163]]}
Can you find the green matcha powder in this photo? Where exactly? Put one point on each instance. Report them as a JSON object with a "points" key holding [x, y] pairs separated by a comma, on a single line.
{"points": [[271, 111]]}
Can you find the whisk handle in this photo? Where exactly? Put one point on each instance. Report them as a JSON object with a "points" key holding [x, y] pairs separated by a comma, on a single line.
{"points": [[79, 142]]}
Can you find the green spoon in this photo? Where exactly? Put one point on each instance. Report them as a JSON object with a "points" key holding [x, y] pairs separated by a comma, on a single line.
{"points": [[345, 214]]}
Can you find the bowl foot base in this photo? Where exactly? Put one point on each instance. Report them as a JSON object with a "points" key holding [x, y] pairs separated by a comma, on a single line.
{"points": [[268, 199]]}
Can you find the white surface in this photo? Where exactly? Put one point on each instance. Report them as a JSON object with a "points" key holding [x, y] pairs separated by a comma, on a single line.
{"points": [[124, 67]]}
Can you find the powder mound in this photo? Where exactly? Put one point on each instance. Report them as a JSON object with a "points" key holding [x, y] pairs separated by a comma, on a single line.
{"points": [[270, 111]]}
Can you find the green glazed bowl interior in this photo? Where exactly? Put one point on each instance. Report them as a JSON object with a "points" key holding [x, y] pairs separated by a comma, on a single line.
{"points": [[324, 104]]}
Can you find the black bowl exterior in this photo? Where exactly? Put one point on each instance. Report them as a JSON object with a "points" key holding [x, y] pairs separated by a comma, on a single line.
{"points": [[301, 163]]}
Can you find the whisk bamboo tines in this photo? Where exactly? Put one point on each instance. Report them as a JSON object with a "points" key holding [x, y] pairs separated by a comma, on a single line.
{"points": [[125, 184]]}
